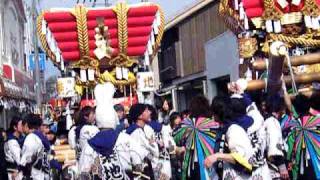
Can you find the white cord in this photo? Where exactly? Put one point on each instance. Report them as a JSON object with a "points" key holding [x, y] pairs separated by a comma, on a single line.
{"points": [[294, 86]]}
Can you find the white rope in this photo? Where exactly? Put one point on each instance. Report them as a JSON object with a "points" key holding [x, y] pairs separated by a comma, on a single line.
{"points": [[294, 86]]}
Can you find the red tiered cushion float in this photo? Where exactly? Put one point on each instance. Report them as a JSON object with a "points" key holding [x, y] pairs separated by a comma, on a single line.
{"points": [[255, 8], [63, 27]]}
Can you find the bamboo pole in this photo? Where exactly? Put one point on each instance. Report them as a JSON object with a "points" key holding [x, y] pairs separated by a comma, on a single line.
{"points": [[307, 59], [70, 155], [62, 152], [61, 147], [276, 60], [309, 93], [302, 79]]}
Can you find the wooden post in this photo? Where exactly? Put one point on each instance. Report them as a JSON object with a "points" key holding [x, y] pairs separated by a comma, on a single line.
{"points": [[276, 61]]}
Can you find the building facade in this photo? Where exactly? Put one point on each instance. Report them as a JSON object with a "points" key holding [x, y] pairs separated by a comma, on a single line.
{"points": [[186, 65], [17, 84]]}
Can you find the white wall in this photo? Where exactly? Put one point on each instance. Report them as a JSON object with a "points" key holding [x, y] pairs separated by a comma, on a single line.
{"points": [[222, 59], [1, 37], [13, 34]]}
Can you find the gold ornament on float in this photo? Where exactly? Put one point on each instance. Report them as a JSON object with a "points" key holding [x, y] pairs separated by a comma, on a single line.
{"points": [[247, 47]]}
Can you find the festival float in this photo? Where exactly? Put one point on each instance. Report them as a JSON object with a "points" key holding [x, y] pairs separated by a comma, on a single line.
{"points": [[95, 45], [107, 44], [278, 37]]}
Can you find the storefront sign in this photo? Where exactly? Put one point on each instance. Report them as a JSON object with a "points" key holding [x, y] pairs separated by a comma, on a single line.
{"points": [[145, 82], [65, 87], [42, 62]]}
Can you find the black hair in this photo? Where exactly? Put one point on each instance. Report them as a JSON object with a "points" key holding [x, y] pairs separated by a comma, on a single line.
{"points": [[173, 117], [135, 111], [185, 112], [169, 104], [14, 123], [301, 104], [34, 121], [84, 114], [82, 121], [154, 113], [62, 126], [238, 108], [220, 107], [261, 102], [75, 116], [275, 103], [118, 107], [199, 107], [315, 101], [24, 121]]}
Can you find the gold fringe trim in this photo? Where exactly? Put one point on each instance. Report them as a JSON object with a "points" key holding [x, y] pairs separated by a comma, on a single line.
{"points": [[270, 11], [86, 62], [43, 40], [122, 60], [295, 41], [121, 9], [224, 8], [161, 30], [230, 18], [110, 77], [311, 8], [80, 12]]}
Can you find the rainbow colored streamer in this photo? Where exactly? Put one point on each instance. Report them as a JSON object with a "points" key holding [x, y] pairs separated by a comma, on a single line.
{"points": [[197, 136], [303, 139]]}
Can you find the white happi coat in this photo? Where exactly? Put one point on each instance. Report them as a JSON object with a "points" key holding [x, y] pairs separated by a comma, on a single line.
{"points": [[12, 152], [164, 156], [258, 137], [238, 142], [170, 146], [167, 136], [72, 137], [73, 144], [87, 132], [275, 144], [151, 150], [32, 150], [127, 151], [143, 137]]}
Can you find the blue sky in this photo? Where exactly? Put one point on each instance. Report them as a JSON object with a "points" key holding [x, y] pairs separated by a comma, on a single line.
{"points": [[170, 7]]}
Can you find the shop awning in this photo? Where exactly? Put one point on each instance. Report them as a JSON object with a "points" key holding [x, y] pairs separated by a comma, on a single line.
{"points": [[11, 89]]}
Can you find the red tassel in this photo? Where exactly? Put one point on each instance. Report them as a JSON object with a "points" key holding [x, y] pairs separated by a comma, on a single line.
{"points": [[294, 8], [284, 10]]}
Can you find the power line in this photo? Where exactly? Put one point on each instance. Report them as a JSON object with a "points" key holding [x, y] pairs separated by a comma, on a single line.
{"points": [[36, 55], [94, 2]]}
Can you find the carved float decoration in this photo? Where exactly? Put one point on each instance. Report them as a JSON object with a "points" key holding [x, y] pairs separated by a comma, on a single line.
{"points": [[102, 44], [259, 23], [278, 37]]}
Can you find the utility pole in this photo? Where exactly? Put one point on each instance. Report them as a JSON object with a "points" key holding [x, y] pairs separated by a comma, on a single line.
{"points": [[36, 54]]}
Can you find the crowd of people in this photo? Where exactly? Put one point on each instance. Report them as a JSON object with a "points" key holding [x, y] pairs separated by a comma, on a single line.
{"points": [[141, 144]]}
